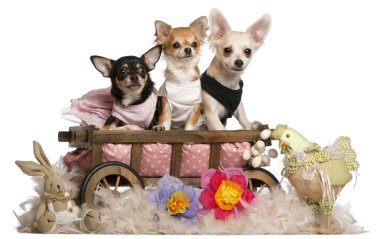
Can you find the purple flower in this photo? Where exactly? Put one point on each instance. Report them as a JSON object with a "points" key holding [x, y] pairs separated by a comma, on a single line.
{"points": [[177, 199]]}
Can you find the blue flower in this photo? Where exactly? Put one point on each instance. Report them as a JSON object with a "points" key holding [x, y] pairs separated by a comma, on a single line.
{"points": [[177, 199]]}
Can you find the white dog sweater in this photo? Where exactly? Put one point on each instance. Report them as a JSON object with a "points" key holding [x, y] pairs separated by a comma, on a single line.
{"points": [[181, 98]]}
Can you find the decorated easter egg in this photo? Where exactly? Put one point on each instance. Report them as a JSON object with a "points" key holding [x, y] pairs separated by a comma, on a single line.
{"points": [[256, 161], [260, 146], [265, 160], [254, 151], [246, 154], [273, 153], [265, 134]]}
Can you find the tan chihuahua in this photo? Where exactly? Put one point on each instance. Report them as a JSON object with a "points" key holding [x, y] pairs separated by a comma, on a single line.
{"points": [[179, 104], [222, 86]]}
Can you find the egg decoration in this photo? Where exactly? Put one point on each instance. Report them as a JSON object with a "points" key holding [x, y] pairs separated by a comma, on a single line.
{"points": [[254, 151], [257, 154], [265, 134], [265, 160], [246, 154], [256, 161], [273, 153]]}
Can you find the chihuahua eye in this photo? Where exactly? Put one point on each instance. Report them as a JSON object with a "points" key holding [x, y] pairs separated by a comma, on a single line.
{"points": [[227, 50], [194, 45], [247, 52], [123, 72], [176, 45], [142, 70]]}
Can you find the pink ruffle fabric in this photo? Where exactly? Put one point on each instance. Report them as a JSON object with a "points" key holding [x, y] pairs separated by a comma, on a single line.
{"points": [[80, 158], [93, 108]]}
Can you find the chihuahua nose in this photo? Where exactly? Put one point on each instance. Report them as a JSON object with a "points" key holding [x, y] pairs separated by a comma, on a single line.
{"points": [[187, 50], [134, 78], [239, 63]]}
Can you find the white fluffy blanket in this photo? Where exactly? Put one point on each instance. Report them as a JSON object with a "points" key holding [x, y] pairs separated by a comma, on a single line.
{"points": [[278, 212]]}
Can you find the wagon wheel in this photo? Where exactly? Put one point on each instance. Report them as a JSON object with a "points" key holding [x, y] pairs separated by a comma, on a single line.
{"points": [[260, 179], [113, 175]]}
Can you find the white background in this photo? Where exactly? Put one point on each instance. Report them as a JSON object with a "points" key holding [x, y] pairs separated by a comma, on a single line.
{"points": [[318, 72]]}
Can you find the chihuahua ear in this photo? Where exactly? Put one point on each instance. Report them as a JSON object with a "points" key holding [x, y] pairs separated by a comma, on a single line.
{"points": [[162, 31], [218, 24], [200, 26], [102, 64], [152, 56], [260, 28]]}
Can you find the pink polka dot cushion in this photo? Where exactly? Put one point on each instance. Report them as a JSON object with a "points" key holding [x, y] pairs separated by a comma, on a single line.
{"points": [[118, 152], [195, 159], [155, 160], [231, 154]]}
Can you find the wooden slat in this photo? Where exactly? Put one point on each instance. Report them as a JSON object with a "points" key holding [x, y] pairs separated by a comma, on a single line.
{"points": [[87, 135], [215, 155], [174, 136], [78, 136], [96, 155], [176, 159], [136, 156], [64, 136]]}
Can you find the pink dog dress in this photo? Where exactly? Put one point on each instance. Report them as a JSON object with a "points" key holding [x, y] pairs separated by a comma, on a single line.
{"points": [[140, 115], [96, 106]]}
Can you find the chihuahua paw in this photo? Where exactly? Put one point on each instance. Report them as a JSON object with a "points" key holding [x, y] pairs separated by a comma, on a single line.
{"points": [[256, 124], [158, 128], [108, 127]]}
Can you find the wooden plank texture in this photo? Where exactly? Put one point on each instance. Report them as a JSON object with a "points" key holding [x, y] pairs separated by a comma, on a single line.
{"points": [[176, 159], [136, 156], [146, 136], [215, 155], [96, 155]]}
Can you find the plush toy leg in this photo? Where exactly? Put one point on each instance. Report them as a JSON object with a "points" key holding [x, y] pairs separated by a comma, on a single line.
{"points": [[90, 220], [46, 222]]}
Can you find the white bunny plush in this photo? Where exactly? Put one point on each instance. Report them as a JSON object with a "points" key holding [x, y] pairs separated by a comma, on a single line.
{"points": [[58, 207]]}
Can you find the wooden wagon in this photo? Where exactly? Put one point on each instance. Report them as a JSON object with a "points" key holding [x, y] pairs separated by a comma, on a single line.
{"points": [[114, 174]]}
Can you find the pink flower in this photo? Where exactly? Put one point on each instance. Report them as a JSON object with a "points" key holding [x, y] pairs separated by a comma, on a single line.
{"points": [[225, 191]]}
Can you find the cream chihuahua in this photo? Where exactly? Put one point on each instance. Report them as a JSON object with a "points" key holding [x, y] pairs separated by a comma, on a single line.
{"points": [[222, 86], [179, 104]]}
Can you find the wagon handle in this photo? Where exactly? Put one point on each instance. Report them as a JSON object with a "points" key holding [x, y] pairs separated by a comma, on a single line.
{"points": [[78, 136]]}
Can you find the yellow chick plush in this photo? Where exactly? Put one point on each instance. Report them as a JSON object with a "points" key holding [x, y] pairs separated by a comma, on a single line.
{"points": [[318, 175]]}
